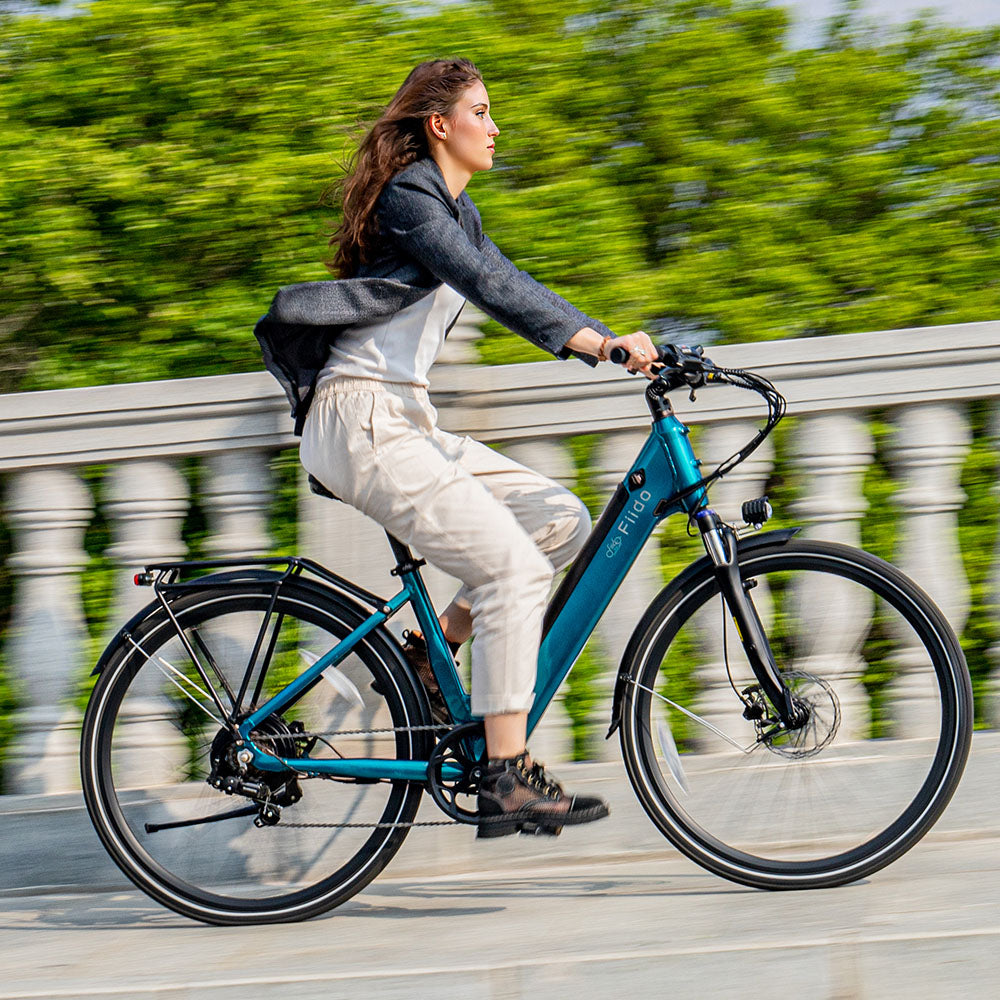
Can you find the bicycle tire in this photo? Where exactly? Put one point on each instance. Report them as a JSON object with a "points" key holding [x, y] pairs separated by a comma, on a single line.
{"points": [[146, 754], [882, 781]]}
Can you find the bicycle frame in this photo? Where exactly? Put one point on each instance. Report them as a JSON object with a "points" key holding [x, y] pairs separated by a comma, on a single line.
{"points": [[665, 466], [664, 479]]}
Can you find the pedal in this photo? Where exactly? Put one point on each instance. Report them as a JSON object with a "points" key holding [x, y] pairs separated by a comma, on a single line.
{"points": [[539, 830]]}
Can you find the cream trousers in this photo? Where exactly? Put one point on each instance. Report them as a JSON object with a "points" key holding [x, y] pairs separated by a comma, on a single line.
{"points": [[500, 528]]}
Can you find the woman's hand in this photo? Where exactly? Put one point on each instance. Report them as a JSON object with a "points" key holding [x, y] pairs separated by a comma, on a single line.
{"points": [[641, 352]]}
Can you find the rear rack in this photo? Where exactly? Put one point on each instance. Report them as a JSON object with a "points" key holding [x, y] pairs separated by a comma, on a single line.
{"points": [[169, 576]]}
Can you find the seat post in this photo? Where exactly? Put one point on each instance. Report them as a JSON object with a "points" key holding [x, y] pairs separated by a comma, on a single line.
{"points": [[405, 563]]}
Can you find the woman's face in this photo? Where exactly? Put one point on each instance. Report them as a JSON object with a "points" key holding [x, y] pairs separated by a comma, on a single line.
{"points": [[470, 131]]}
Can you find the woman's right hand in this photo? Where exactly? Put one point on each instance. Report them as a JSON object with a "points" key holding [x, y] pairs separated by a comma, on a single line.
{"points": [[641, 352]]}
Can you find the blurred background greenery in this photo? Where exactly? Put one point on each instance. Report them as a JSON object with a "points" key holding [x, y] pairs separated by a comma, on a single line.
{"points": [[677, 165], [669, 164]]}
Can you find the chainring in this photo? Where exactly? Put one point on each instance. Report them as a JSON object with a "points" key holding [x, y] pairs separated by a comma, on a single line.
{"points": [[463, 750]]}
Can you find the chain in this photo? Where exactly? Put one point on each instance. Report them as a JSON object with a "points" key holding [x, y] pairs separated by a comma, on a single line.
{"points": [[262, 737], [364, 826]]}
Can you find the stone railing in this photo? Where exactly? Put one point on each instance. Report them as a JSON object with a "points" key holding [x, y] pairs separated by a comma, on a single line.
{"points": [[139, 433]]}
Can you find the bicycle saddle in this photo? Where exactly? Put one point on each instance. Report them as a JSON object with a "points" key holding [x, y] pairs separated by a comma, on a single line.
{"points": [[320, 490]]}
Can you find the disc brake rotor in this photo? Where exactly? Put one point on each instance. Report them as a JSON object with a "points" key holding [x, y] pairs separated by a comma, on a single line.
{"points": [[815, 696]]}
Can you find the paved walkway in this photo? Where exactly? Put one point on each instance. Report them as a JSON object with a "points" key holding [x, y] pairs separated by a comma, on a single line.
{"points": [[927, 927], [591, 914]]}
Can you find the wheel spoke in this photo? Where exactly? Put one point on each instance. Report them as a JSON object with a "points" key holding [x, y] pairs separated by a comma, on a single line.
{"points": [[175, 677], [697, 718], [162, 768]]}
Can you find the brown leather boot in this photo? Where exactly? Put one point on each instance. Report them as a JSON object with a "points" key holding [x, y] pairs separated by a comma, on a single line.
{"points": [[415, 650], [516, 796]]}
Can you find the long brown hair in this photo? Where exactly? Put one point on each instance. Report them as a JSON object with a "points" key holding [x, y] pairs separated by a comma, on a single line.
{"points": [[395, 141]]}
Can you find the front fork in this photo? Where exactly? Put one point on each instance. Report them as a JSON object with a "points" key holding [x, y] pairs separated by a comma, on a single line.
{"points": [[720, 543]]}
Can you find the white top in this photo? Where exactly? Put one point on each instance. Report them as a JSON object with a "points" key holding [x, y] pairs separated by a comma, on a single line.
{"points": [[397, 348]]}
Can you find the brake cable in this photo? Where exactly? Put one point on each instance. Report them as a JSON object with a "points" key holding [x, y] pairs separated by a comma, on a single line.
{"points": [[740, 379]]}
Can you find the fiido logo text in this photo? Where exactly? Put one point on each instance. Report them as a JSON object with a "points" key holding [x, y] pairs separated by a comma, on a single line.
{"points": [[631, 516], [628, 519]]}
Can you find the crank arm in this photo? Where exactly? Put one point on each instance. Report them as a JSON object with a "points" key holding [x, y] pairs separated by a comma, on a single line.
{"points": [[217, 818], [720, 542]]}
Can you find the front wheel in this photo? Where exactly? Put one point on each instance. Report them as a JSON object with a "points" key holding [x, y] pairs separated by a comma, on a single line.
{"points": [[886, 718]]}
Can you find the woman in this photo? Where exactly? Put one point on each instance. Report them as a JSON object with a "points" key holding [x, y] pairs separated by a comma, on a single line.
{"points": [[410, 251]]}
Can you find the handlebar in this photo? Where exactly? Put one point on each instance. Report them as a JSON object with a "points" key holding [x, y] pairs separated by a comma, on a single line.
{"points": [[686, 366], [667, 354]]}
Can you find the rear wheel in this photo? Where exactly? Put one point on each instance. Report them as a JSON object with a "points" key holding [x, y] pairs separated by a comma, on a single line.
{"points": [[886, 720], [156, 754]]}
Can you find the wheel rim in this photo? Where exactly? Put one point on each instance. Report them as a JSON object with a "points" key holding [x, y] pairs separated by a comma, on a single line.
{"points": [[233, 866], [885, 770]]}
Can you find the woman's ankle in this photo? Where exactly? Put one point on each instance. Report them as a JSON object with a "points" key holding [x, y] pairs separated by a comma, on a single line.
{"points": [[506, 734]]}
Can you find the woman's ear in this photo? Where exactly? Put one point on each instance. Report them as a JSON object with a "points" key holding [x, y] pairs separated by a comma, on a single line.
{"points": [[437, 126]]}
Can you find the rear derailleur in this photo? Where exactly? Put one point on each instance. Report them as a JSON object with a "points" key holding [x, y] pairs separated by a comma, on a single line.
{"points": [[232, 771]]}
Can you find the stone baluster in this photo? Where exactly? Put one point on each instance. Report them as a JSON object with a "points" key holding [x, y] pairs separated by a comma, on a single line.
{"points": [[237, 497], [615, 454], [48, 510], [747, 481], [929, 447], [993, 598], [146, 503], [832, 451], [833, 617], [552, 740]]}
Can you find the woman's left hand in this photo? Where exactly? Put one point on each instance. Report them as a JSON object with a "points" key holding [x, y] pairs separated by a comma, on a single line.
{"points": [[641, 352]]}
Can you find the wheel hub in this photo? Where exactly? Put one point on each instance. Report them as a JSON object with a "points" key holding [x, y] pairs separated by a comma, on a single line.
{"points": [[817, 716], [233, 772]]}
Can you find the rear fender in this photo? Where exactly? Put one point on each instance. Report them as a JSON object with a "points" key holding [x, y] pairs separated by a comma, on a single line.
{"points": [[356, 613]]}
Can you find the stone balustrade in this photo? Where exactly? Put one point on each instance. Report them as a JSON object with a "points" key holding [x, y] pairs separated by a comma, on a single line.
{"points": [[922, 381]]}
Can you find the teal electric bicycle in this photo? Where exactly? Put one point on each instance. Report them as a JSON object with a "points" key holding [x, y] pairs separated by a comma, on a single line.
{"points": [[792, 713]]}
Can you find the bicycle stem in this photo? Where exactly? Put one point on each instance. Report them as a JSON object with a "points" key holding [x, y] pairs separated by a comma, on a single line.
{"points": [[720, 543]]}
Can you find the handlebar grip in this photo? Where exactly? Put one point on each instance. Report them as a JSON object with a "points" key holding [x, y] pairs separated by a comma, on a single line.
{"points": [[619, 355], [690, 360]]}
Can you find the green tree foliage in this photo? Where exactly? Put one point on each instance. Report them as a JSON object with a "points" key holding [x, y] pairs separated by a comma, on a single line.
{"points": [[669, 164]]}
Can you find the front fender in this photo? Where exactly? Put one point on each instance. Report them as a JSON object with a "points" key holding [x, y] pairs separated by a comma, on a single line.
{"points": [[746, 544]]}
